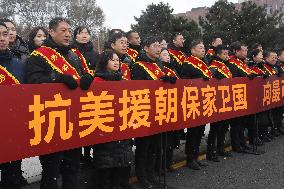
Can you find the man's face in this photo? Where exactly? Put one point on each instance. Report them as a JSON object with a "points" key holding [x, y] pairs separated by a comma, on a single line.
{"points": [[134, 39], [224, 55], [281, 57], [153, 51], [218, 41], [4, 38], [120, 46], [61, 35], [83, 37], [198, 51], [242, 53], [12, 31], [272, 58], [179, 41]]}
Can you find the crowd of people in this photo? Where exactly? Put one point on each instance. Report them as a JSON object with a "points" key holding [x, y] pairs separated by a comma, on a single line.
{"points": [[127, 57]]}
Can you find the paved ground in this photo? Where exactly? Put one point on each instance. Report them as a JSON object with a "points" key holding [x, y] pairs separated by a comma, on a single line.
{"points": [[241, 171]]}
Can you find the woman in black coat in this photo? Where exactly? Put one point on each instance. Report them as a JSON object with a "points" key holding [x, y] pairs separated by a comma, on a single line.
{"points": [[82, 42], [112, 160], [36, 37]]}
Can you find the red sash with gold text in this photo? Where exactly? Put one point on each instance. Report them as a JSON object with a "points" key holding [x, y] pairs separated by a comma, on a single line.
{"points": [[84, 62], [210, 52], [125, 70], [170, 72], [6, 78], [200, 65], [256, 70], [222, 68], [269, 69], [241, 65], [177, 55], [56, 61], [132, 54], [152, 69]]}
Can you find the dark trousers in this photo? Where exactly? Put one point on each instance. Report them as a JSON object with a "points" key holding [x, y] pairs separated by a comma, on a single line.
{"points": [[113, 178], [67, 163], [11, 174], [277, 116], [217, 131], [237, 131], [263, 122], [145, 156], [252, 128], [193, 140]]}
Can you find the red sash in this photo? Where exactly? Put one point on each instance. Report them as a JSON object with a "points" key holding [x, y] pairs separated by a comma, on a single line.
{"points": [[84, 62], [6, 78], [177, 55], [200, 65], [269, 69], [125, 70], [222, 68], [282, 66], [210, 52], [132, 54], [241, 65], [152, 69], [170, 72], [56, 61], [256, 70]]}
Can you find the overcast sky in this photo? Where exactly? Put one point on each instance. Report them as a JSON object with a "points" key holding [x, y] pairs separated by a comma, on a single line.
{"points": [[120, 13]]}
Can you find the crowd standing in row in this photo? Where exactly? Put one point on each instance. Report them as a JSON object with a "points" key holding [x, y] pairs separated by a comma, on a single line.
{"points": [[125, 57]]}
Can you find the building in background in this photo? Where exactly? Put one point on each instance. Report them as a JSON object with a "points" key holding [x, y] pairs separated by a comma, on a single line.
{"points": [[270, 7]]}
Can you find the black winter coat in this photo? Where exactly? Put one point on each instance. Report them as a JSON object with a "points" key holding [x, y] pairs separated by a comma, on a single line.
{"points": [[88, 52], [20, 49], [39, 71], [117, 153]]}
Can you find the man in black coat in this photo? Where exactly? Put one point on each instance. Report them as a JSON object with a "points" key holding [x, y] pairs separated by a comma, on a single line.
{"points": [[40, 70], [147, 68], [12, 68], [194, 67], [220, 70], [239, 68], [16, 43]]}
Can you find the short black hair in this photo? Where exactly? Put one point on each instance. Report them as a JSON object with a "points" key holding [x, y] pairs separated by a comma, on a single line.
{"points": [[3, 24], [214, 38], [79, 29], [221, 48], [236, 46], [34, 31], [7, 20], [150, 40], [113, 31], [174, 35], [253, 53], [103, 60], [280, 51], [256, 45], [128, 34], [268, 52], [194, 43], [56, 21], [114, 37]]}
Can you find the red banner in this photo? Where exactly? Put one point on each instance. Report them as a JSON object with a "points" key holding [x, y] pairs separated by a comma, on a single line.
{"points": [[46, 118]]}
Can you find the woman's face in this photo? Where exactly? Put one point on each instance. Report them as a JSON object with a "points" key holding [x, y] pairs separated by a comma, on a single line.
{"points": [[113, 64], [39, 38], [165, 56], [258, 58], [83, 36]]}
